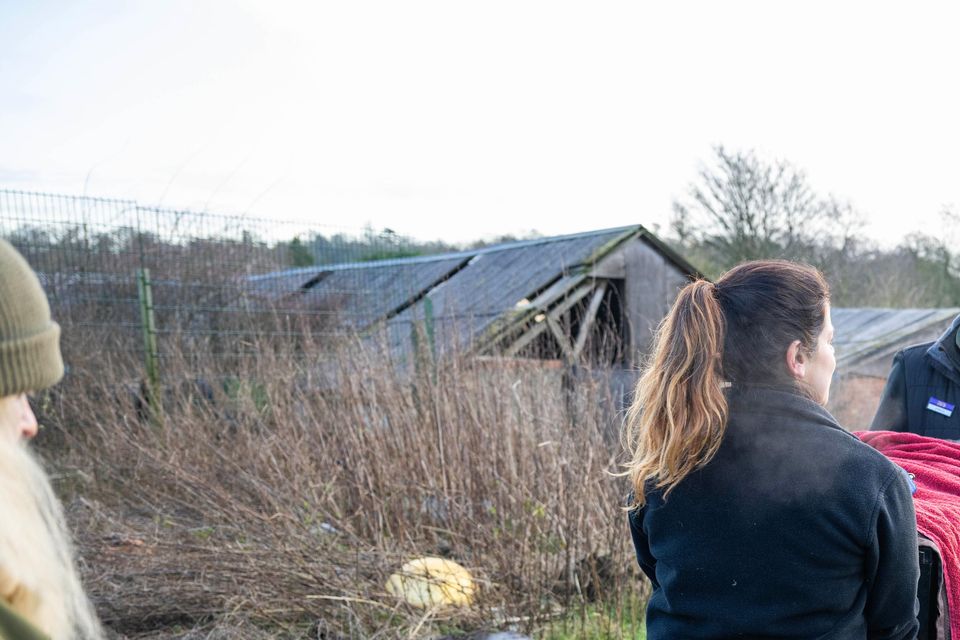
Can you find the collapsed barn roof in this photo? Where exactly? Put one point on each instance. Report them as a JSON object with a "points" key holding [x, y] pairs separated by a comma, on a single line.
{"points": [[494, 299]]}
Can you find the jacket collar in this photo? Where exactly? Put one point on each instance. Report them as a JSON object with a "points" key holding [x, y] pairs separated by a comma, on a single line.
{"points": [[779, 400], [939, 352]]}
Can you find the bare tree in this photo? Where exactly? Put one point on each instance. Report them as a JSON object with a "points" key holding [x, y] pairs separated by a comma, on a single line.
{"points": [[742, 208]]}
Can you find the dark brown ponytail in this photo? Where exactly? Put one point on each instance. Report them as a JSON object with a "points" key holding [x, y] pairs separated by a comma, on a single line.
{"points": [[734, 332], [679, 411]]}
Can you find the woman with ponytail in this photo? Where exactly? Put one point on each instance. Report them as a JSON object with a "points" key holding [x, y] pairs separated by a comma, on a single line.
{"points": [[754, 514]]}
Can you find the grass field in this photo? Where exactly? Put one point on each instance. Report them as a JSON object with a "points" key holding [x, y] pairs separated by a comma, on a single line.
{"points": [[598, 622]]}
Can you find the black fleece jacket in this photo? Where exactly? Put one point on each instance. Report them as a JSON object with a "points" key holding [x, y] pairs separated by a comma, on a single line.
{"points": [[795, 529]]}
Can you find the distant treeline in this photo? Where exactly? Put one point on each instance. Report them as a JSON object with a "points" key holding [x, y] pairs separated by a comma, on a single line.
{"points": [[65, 249], [318, 249]]}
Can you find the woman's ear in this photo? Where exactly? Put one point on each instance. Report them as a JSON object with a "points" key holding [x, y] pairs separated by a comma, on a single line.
{"points": [[796, 363]]}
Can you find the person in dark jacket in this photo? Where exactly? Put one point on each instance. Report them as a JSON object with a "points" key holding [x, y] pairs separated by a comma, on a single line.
{"points": [[754, 514], [922, 394]]}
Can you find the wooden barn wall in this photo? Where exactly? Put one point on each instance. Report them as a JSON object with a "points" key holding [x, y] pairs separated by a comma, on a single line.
{"points": [[651, 285]]}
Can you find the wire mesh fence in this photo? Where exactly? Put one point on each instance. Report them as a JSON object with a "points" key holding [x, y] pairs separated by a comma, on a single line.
{"points": [[135, 284], [218, 322]]}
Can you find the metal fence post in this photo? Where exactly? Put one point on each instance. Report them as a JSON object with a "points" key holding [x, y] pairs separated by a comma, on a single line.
{"points": [[151, 356], [428, 327]]}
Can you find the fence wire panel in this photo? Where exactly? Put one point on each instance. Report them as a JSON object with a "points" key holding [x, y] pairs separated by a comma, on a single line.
{"points": [[194, 293]]}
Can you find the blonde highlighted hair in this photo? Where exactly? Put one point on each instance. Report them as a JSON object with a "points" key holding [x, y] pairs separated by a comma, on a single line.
{"points": [[38, 576], [733, 332]]}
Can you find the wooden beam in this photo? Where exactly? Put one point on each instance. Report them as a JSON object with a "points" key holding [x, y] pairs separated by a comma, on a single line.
{"points": [[528, 336], [555, 291], [561, 337], [586, 325], [514, 318]]}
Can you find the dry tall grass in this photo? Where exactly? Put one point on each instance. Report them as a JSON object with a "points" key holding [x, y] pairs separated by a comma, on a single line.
{"points": [[275, 503]]}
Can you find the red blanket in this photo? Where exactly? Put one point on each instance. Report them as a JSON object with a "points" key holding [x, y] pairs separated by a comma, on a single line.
{"points": [[935, 465]]}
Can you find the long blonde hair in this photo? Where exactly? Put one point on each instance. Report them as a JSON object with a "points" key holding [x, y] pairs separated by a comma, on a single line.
{"points": [[36, 557], [736, 331]]}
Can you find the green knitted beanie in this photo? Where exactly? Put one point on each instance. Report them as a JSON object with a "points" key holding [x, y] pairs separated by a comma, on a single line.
{"points": [[29, 339]]}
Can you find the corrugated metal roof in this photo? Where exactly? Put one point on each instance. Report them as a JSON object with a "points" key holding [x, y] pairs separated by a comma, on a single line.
{"points": [[307, 272], [866, 339], [493, 279], [495, 282], [359, 296], [369, 295], [468, 291]]}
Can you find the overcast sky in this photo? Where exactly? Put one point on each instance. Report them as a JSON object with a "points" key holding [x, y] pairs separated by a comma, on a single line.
{"points": [[458, 120]]}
